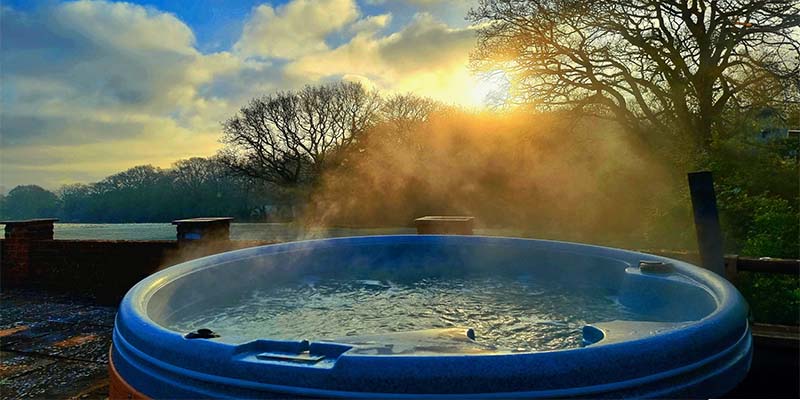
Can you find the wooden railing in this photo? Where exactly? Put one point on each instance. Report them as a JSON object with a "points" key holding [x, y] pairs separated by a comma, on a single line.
{"points": [[764, 265], [780, 336], [735, 264]]}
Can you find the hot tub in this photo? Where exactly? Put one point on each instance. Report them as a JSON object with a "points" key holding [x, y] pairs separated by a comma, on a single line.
{"points": [[431, 316]]}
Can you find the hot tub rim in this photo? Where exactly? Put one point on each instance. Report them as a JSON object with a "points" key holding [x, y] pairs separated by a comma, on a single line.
{"points": [[137, 298]]}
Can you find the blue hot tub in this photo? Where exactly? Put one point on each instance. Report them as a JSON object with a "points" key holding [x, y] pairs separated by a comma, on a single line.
{"points": [[675, 331]]}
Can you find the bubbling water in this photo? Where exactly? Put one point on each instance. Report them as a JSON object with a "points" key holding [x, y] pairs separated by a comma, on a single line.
{"points": [[507, 314]]}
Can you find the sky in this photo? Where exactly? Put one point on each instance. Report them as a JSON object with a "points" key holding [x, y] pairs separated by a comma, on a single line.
{"points": [[91, 88]]}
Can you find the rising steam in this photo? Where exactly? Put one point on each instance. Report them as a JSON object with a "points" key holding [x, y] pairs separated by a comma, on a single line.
{"points": [[537, 175]]}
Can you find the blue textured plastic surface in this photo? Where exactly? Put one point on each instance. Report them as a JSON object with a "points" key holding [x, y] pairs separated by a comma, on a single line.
{"points": [[697, 344]]}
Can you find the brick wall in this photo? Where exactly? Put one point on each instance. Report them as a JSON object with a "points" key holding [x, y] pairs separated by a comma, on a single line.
{"points": [[16, 247], [104, 269]]}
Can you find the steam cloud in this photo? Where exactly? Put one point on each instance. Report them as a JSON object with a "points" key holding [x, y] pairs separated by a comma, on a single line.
{"points": [[536, 175]]}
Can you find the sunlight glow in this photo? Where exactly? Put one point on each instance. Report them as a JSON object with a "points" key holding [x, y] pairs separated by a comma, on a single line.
{"points": [[488, 90]]}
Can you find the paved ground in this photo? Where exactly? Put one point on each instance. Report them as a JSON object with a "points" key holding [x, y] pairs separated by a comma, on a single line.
{"points": [[53, 346]]}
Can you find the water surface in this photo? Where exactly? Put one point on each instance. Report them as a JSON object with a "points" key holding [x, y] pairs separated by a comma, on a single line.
{"points": [[507, 314]]}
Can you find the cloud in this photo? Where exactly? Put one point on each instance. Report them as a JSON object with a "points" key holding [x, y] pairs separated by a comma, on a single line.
{"points": [[294, 29], [427, 4], [93, 87], [426, 56], [450, 11], [427, 44], [98, 80], [105, 57], [372, 24]]}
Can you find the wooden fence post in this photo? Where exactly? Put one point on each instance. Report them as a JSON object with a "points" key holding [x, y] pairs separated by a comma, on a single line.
{"points": [[732, 267]]}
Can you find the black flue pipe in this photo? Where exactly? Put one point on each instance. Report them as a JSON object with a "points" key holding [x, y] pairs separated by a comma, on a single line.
{"points": [[706, 221]]}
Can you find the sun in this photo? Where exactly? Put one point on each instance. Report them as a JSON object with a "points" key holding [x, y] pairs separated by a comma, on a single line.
{"points": [[489, 89]]}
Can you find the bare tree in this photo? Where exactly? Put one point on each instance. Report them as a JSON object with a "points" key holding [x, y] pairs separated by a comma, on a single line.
{"points": [[655, 66], [408, 110], [290, 137]]}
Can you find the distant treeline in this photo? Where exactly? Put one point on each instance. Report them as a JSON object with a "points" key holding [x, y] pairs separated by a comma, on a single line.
{"points": [[190, 188]]}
